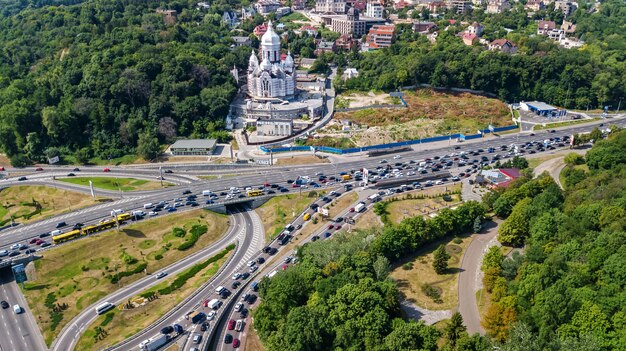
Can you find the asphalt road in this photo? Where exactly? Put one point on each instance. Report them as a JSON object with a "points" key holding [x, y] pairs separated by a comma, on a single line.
{"points": [[72, 331], [18, 332]]}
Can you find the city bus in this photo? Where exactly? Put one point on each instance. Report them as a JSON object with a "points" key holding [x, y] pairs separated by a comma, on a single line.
{"points": [[57, 239], [123, 217], [100, 309], [252, 193]]}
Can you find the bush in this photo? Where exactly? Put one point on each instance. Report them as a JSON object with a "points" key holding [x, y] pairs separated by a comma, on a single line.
{"points": [[20, 160], [407, 266], [179, 232], [117, 277], [195, 232], [128, 259], [457, 240], [432, 292]]}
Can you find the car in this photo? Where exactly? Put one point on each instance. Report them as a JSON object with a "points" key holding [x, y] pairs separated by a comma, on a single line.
{"points": [[251, 263], [77, 226], [14, 253], [2, 169], [238, 307], [30, 251], [315, 238], [273, 251], [235, 284], [4, 304], [17, 309], [331, 227], [287, 259], [186, 192], [197, 338], [4, 253], [339, 220], [243, 313], [228, 339], [38, 169], [21, 179], [231, 324], [327, 235], [236, 276], [210, 316], [245, 275], [236, 343], [45, 244], [161, 275], [106, 170], [260, 260], [61, 225], [251, 299], [71, 174], [167, 330], [171, 209], [76, 169], [204, 326]]}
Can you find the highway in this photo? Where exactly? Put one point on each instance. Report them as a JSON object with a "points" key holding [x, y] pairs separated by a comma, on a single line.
{"points": [[18, 332], [274, 175]]}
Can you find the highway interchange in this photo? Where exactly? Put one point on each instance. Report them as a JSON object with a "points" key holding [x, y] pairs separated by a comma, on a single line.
{"points": [[245, 229]]}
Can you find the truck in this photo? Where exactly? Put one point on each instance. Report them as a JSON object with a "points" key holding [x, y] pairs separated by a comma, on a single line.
{"points": [[360, 207], [196, 317], [214, 304], [154, 343]]}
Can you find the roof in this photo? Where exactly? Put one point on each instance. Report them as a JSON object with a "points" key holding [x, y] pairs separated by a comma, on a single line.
{"points": [[470, 36], [194, 144], [502, 42], [511, 172], [546, 25], [241, 39], [541, 106]]}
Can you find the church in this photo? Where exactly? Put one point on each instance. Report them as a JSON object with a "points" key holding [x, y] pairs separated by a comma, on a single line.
{"points": [[272, 77]]}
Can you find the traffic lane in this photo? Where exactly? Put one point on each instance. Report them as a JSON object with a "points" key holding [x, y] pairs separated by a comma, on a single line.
{"points": [[194, 301], [85, 318], [20, 330]]}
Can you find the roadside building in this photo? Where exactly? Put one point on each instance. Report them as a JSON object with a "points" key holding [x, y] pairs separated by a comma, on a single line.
{"points": [[374, 9], [265, 7], [198, 147], [424, 27], [538, 107], [330, 6], [350, 24], [242, 41], [498, 178]]}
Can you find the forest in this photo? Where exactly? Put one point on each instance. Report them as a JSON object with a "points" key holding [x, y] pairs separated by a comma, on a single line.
{"points": [[107, 78], [566, 290], [588, 78]]}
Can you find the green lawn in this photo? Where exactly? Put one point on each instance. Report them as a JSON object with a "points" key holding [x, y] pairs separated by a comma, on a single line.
{"points": [[123, 184]]}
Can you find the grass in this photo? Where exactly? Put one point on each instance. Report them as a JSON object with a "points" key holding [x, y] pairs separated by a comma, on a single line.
{"points": [[29, 203], [280, 210], [429, 113], [342, 143], [404, 208], [483, 300], [368, 220], [410, 281], [126, 322], [300, 160], [123, 160], [81, 272], [109, 183], [563, 124]]}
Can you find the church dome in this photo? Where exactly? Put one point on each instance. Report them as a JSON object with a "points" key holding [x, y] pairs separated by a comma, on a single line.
{"points": [[266, 65], [289, 60], [270, 38]]}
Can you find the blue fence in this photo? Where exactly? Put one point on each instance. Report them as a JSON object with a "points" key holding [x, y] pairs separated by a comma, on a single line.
{"points": [[334, 150]]}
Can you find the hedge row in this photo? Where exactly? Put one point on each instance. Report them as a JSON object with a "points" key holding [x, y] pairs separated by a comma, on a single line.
{"points": [[117, 277], [196, 231]]}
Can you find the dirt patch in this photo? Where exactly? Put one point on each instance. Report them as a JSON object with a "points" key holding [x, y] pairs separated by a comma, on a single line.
{"points": [[253, 342], [281, 210], [300, 160], [368, 220], [422, 202], [413, 273]]}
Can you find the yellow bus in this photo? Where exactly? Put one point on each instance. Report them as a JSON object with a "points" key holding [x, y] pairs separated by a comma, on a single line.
{"points": [[346, 177], [307, 216], [123, 216], [66, 236], [255, 193]]}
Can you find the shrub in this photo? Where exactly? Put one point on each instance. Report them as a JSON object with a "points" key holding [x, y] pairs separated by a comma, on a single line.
{"points": [[432, 292], [178, 232], [407, 266], [195, 233]]}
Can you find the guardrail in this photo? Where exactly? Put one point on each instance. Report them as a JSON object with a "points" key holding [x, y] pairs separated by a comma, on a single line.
{"points": [[333, 150]]}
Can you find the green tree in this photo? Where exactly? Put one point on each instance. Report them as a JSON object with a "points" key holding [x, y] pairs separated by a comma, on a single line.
{"points": [[148, 145], [455, 329], [595, 135], [478, 226], [514, 230], [381, 267], [573, 159], [440, 259], [34, 146]]}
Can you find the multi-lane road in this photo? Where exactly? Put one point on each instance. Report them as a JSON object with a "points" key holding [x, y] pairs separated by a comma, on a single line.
{"points": [[249, 240]]}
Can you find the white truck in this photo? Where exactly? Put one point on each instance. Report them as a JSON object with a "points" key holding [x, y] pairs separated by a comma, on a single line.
{"points": [[206, 192], [154, 343], [360, 207], [214, 304]]}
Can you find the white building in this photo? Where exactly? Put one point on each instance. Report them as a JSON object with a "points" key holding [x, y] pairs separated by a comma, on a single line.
{"points": [[374, 10], [274, 127], [272, 77], [330, 6]]}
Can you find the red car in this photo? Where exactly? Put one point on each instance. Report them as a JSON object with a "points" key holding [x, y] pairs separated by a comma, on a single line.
{"points": [[330, 226], [33, 240], [231, 324], [266, 185], [236, 343], [338, 227], [106, 170], [1, 169], [294, 185], [38, 169], [351, 209]]}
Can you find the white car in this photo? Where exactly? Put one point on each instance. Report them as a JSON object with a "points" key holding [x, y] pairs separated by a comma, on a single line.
{"points": [[251, 263], [253, 269], [238, 307], [236, 276], [396, 157], [4, 253], [210, 316], [15, 246], [152, 213], [439, 182], [161, 275]]}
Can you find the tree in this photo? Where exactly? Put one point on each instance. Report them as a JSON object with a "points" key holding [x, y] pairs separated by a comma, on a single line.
{"points": [[34, 146], [514, 230], [440, 259], [455, 329], [573, 159], [493, 258], [478, 226], [82, 155], [148, 145], [595, 135], [381, 267]]}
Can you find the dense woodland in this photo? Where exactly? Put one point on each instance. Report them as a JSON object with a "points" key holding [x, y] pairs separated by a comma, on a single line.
{"points": [[106, 78], [591, 77]]}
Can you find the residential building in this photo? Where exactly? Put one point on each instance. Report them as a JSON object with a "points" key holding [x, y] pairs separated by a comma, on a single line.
{"points": [[424, 27], [380, 36], [503, 45], [571, 43], [271, 77], [567, 7], [330, 6], [169, 16], [325, 46], [310, 30], [199, 147], [230, 18], [556, 34], [345, 42], [283, 11], [274, 127], [399, 5], [568, 27], [478, 3], [534, 5], [469, 39], [247, 12], [260, 30], [350, 73], [351, 24], [475, 28], [374, 10], [544, 27], [265, 7], [360, 5], [242, 41], [298, 4], [203, 6], [461, 6], [437, 6], [498, 178], [498, 6], [306, 62]]}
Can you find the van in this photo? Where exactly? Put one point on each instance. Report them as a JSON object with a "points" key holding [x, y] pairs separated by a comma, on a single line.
{"points": [[116, 212], [207, 192], [219, 289], [138, 213], [55, 232], [148, 205]]}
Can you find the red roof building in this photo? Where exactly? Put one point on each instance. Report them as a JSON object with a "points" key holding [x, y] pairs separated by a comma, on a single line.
{"points": [[260, 30], [380, 36], [469, 39]]}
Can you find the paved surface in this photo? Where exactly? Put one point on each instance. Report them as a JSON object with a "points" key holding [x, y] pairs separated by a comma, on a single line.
{"points": [[18, 332], [470, 279]]}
